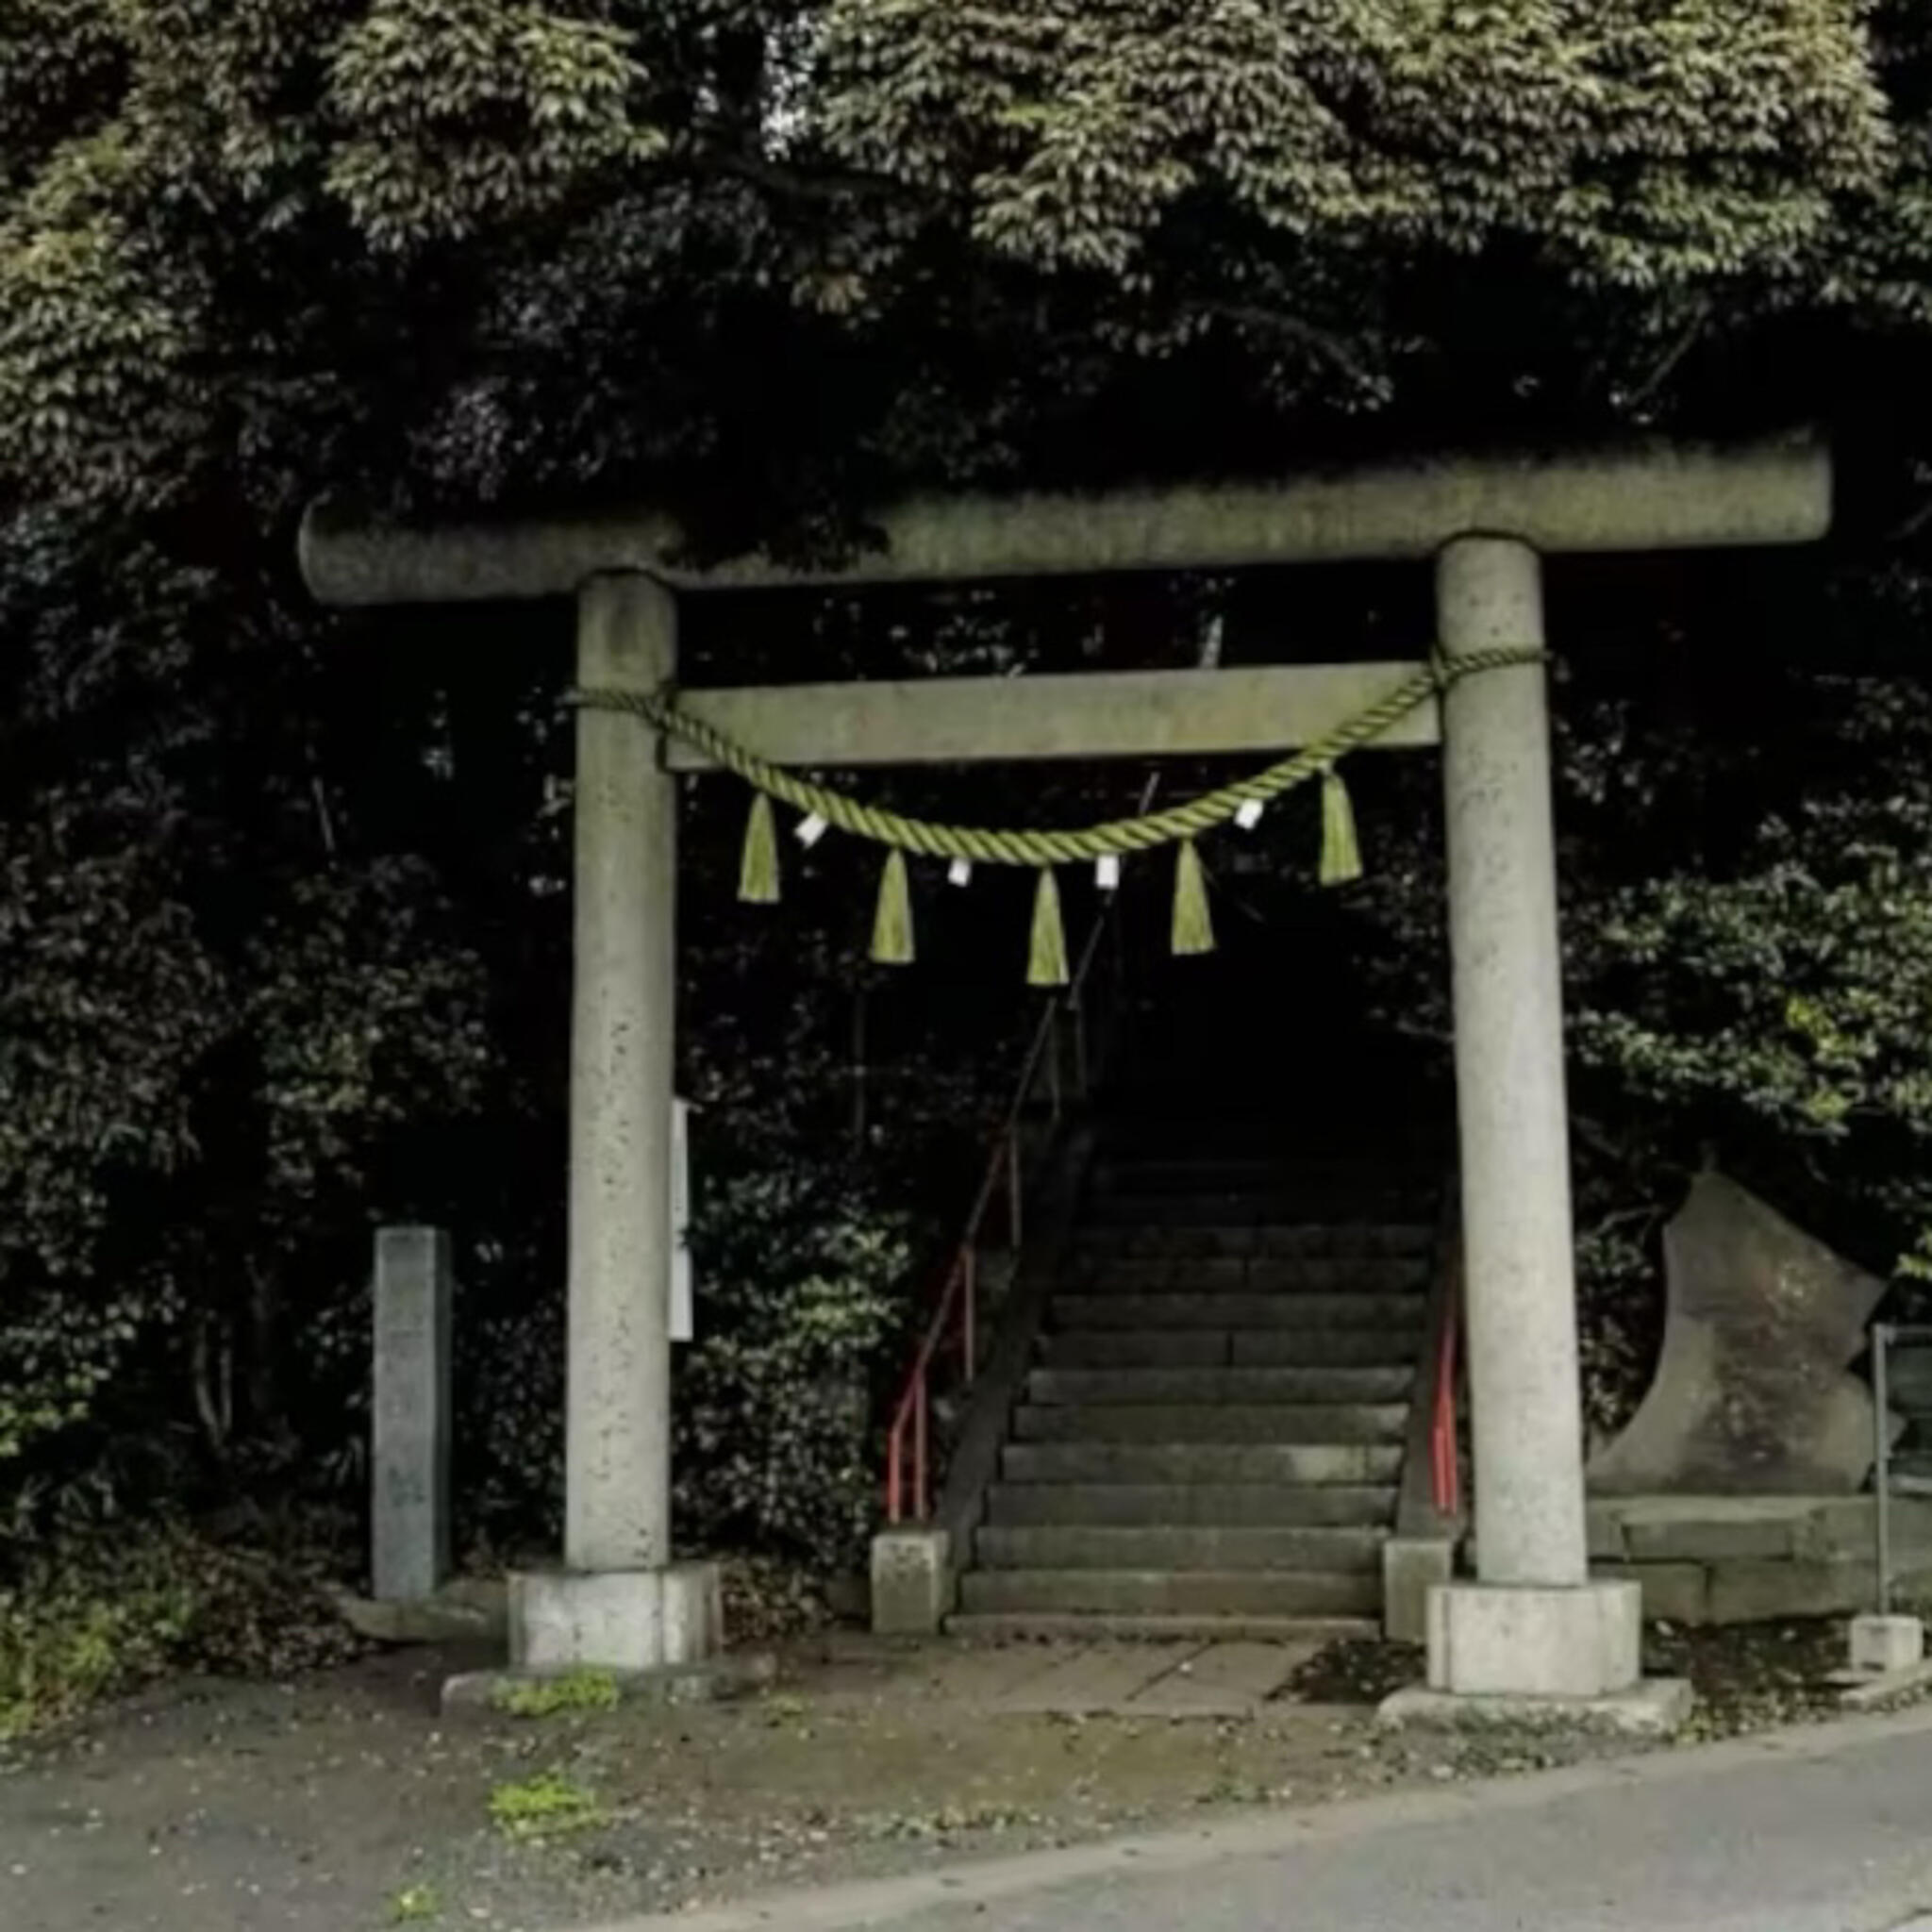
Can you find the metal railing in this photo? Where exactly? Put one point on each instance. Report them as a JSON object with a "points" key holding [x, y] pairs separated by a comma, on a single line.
{"points": [[1446, 1458], [953, 1331], [1887, 1336]]}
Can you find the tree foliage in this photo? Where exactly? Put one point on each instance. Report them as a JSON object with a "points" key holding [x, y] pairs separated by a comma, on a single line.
{"points": [[1625, 145], [487, 249]]}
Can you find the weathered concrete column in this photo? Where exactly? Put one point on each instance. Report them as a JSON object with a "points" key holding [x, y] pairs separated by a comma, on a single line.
{"points": [[409, 1415], [1506, 959], [619, 1603], [1533, 1628], [617, 1500]]}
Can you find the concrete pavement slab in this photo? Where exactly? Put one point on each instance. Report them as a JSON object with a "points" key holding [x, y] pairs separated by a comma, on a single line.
{"points": [[1100, 1677], [1827, 1828], [1225, 1680]]}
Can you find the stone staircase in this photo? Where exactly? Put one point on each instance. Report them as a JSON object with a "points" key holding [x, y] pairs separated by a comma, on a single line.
{"points": [[1210, 1439]]}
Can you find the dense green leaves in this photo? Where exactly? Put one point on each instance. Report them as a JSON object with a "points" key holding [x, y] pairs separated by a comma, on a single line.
{"points": [[805, 1284], [466, 112], [1638, 144], [485, 247]]}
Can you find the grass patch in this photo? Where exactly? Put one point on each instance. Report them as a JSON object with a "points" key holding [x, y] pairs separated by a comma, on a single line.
{"points": [[550, 1804], [415, 1904], [572, 1691], [95, 1616], [82, 1626]]}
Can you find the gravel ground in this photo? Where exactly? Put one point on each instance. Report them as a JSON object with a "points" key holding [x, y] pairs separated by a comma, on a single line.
{"points": [[343, 1802]]}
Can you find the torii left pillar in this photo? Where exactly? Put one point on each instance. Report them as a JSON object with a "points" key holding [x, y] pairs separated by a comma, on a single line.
{"points": [[620, 1603]]}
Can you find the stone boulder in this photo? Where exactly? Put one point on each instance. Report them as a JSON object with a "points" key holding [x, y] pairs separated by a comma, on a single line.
{"points": [[1752, 1394]]}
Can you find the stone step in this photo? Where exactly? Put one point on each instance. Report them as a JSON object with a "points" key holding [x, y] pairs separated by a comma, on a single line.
{"points": [[1388, 1313], [1180, 1593], [1277, 1207], [1259, 1238], [1233, 1273], [1210, 1348], [1174, 1463], [1228, 1422], [1080, 1546], [1053, 1386], [1191, 1505], [1020, 1626], [1187, 1463], [1210, 1174], [1293, 1347], [1258, 1171]]}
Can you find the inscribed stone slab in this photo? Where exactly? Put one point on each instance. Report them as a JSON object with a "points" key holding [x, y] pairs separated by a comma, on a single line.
{"points": [[1752, 1394], [410, 1414]]}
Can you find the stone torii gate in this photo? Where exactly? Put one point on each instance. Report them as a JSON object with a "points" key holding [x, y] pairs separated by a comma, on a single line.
{"points": [[1533, 1624]]}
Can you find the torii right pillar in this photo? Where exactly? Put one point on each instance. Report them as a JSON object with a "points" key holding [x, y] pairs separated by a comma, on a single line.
{"points": [[1534, 1630], [1534, 1625]]}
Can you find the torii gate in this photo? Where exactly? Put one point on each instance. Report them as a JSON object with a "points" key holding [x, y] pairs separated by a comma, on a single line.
{"points": [[1534, 1625]]}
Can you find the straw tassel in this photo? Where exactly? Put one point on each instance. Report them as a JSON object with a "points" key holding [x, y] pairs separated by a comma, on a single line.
{"points": [[1341, 855], [1194, 923], [891, 927], [757, 866], [1046, 959]]}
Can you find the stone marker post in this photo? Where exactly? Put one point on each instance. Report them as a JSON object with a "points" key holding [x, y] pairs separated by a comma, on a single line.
{"points": [[410, 1556]]}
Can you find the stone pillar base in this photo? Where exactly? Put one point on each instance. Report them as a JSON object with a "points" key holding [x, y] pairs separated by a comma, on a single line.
{"points": [[615, 1620], [1529, 1641], [1653, 1708], [911, 1582], [1412, 1567], [1528, 1657], [1880, 1644]]}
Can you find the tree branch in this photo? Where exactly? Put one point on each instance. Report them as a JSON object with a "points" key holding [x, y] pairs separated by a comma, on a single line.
{"points": [[1330, 346], [1905, 532], [796, 184], [1667, 364]]}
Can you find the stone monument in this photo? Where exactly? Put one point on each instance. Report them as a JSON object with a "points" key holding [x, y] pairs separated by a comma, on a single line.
{"points": [[1752, 1394]]}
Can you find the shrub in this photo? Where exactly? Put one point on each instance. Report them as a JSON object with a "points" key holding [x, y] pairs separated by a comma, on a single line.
{"points": [[804, 1283], [98, 1615]]}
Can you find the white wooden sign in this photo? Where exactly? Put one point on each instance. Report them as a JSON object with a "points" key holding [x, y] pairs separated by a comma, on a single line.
{"points": [[683, 1326]]}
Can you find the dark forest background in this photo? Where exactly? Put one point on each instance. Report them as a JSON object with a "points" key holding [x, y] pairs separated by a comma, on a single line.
{"points": [[282, 891]]}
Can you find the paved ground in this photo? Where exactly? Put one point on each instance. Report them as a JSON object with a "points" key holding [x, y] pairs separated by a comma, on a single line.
{"points": [[343, 1803], [1099, 1679], [1827, 1829], [325, 1806]]}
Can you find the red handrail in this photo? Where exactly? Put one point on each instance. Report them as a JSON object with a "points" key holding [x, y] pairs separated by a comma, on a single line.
{"points": [[958, 1306], [1443, 1447]]}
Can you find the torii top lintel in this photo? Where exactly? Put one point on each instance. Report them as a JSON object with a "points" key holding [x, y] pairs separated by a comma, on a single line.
{"points": [[1659, 497]]}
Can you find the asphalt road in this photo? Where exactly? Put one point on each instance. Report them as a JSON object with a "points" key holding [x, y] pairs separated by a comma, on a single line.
{"points": [[1824, 1830]]}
